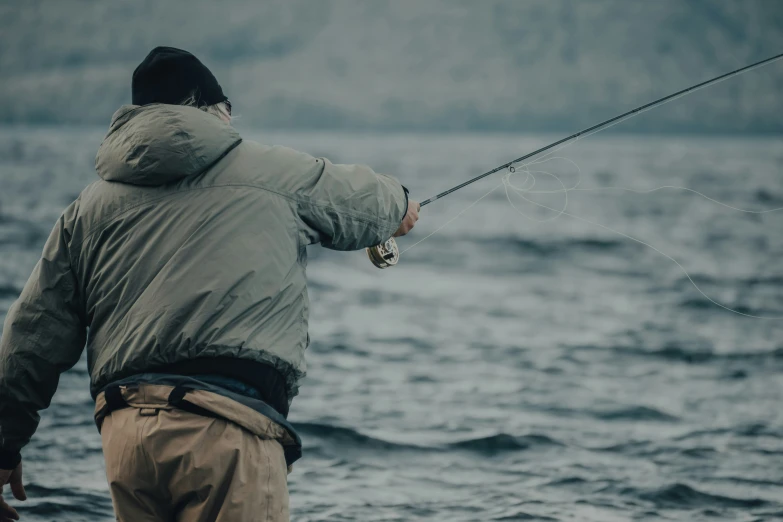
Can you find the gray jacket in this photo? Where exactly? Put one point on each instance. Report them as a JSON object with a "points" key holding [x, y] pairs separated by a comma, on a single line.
{"points": [[192, 245]]}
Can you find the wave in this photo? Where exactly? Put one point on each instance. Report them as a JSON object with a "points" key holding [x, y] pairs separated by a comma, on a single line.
{"points": [[702, 452], [75, 509], [414, 342], [740, 282], [503, 442], [488, 445], [350, 437], [56, 503], [9, 291], [768, 197], [566, 481], [550, 248], [315, 285], [537, 246], [764, 280], [523, 515], [745, 480], [336, 347], [632, 413], [674, 353], [690, 356], [682, 496], [636, 413], [757, 429], [647, 449], [631, 447], [702, 303]]}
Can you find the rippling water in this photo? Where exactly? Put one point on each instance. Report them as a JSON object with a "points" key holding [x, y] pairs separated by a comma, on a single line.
{"points": [[506, 369]]}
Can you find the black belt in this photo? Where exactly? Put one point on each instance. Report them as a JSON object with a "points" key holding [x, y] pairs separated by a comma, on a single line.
{"points": [[268, 381]]}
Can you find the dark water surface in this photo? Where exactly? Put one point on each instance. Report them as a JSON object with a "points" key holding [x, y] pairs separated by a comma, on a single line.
{"points": [[506, 369]]}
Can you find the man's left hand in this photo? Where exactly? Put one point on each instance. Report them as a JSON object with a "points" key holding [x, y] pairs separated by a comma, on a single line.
{"points": [[14, 478]]}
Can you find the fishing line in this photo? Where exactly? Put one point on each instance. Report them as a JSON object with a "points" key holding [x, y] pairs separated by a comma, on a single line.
{"points": [[552, 148], [530, 179], [561, 212]]}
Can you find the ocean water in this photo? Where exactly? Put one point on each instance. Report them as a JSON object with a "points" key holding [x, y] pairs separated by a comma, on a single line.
{"points": [[506, 369]]}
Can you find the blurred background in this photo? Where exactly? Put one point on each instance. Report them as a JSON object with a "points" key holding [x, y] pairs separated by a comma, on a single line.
{"points": [[516, 365], [405, 64]]}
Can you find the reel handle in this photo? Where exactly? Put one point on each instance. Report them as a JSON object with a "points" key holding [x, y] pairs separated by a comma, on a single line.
{"points": [[384, 255]]}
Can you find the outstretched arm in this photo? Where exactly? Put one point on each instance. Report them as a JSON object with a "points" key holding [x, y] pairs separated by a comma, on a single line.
{"points": [[351, 207]]}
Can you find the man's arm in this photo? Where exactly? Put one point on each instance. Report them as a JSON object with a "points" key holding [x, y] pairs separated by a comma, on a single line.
{"points": [[43, 336], [351, 207]]}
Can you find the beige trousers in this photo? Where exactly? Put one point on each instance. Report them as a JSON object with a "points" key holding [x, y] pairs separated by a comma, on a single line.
{"points": [[165, 464]]}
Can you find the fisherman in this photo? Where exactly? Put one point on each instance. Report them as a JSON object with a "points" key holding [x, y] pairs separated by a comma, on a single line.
{"points": [[183, 271]]}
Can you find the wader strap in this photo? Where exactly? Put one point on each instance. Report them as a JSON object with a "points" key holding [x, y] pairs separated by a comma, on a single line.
{"points": [[114, 401], [177, 399], [114, 398]]}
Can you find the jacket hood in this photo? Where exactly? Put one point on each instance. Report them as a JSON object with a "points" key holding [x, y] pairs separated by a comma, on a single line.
{"points": [[158, 144]]}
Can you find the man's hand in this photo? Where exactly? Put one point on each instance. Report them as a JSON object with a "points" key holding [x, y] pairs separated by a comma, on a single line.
{"points": [[410, 219], [13, 477]]}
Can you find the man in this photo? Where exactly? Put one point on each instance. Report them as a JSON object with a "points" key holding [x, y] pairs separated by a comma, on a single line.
{"points": [[186, 265]]}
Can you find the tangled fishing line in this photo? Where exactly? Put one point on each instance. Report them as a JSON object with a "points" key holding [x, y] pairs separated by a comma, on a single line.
{"points": [[527, 187]]}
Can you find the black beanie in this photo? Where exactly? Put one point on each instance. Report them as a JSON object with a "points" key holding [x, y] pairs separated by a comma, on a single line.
{"points": [[169, 75]]}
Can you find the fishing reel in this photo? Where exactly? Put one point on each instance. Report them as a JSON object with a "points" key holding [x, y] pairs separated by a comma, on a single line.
{"points": [[384, 255]]}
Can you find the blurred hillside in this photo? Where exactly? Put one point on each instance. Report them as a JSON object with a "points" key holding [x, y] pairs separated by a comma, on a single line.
{"points": [[406, 64]]}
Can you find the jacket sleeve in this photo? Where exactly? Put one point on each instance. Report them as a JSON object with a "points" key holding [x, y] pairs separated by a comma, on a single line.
{"points": [[349, 207], [43, 335]]}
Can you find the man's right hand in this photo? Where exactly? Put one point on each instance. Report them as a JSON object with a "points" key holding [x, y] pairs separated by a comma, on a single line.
{"points": [[410, 219], [14, 478]]}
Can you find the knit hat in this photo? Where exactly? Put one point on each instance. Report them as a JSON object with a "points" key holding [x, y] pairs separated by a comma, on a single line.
{"points": [[170, 75]]}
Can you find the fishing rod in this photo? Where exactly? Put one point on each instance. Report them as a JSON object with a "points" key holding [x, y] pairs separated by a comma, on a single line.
{"points": [[388, 254]]}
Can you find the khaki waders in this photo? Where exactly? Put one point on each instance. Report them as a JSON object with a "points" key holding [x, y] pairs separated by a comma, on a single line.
{"points": [[166, 464]]}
